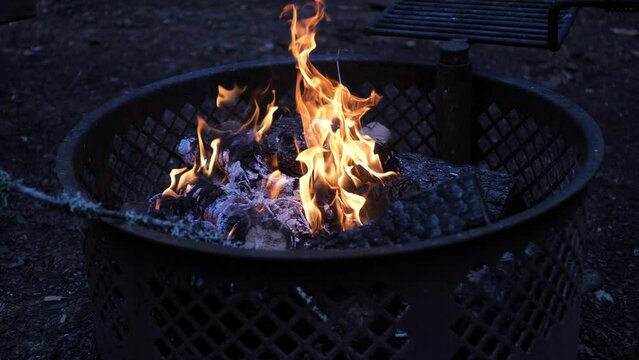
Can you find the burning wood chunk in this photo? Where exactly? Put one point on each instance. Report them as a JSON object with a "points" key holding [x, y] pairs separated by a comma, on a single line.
{"points": [[284, 140], [447, 208], [420, 172], [194, 202], [252, 229]]}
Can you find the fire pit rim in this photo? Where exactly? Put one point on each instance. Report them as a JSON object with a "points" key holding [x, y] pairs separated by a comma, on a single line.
{"points": [[584, 122]]}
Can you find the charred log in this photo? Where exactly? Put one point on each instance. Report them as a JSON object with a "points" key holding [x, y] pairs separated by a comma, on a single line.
{"points": [[249, 228], [419, 172], [282, 140], [447, 208]]}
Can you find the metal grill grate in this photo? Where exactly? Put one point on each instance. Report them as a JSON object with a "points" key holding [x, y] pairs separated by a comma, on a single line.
{"points": [[507, 22]]}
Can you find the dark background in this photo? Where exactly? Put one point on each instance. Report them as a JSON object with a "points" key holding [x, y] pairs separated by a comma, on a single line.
{"points": [[78, 54]]}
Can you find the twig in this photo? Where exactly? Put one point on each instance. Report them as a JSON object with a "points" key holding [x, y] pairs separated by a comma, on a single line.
{"points": [[339, 73], [309, 301], [78, 205]]}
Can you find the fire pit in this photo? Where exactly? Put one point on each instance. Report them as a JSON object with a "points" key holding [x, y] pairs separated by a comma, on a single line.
{"points": [[335, 233], [510, 288]]}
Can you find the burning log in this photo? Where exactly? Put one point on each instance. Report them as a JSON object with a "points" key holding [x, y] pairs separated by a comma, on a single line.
{"points": [[268, 235], [420, 172], [447, 208], [249, 228]]}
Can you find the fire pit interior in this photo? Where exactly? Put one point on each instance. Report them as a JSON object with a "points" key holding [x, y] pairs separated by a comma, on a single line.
{"points": [[479, 261]]}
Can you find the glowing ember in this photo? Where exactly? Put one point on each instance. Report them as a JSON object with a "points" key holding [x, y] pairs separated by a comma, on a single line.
{"points": [[339, 164]]}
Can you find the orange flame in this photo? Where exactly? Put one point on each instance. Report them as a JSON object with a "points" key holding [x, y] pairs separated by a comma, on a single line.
{"points": [[275, 184], [260, 127], [182, 179], [339, 164], [225, 96], [338, 155]]}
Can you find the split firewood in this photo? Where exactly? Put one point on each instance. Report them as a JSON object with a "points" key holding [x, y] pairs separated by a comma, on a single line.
{"points": [[447, 208], [419, 172]]}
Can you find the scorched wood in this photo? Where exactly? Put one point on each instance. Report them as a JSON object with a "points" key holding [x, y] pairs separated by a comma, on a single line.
{"points": [[283, 140], [419, 172], [447, 208]]}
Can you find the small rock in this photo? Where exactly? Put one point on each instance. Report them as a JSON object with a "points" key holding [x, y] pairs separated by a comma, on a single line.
{"points": [[410, 44], [602, 295], [591, 281], [20, 220], [625, 31], [268, 46], [583, 349], [125, 22], [52, 298], [635, 252], [63, 318]]}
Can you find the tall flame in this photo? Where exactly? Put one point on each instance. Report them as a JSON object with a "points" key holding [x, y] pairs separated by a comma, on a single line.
{"points": [[338, 158], [339, 163]]}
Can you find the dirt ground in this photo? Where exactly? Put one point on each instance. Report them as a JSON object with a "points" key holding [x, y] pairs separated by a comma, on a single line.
{"points": [[77, 54]]}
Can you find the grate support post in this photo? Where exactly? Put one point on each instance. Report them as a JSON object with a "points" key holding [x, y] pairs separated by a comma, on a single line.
{"points": [[453, 103]]}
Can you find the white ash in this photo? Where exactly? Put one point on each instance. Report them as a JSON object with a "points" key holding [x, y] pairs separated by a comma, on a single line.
{"points": [[378, 132], [286, 208], [187, 149], [245, 192], [260, 237]]}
